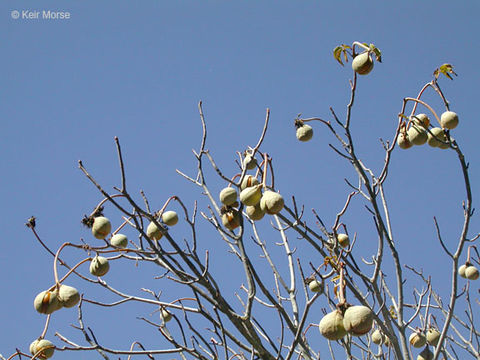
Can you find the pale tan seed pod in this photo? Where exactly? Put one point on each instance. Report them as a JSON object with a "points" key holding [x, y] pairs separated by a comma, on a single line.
{"points": [[438, 134], [119, 241], [99, 266], [421, 120], [304, 132], [315, 286], [358, 320], [449, 120], [228, 196], [343, 240], [426, 354], [45, 347], [271, 202], [255, 213], [249, 162], [248, 180], [417, 339], [251, 195], [165, 315], [461, 270], [101, 227], [47, 302], [362, 64], [170, 218], [433, 335], [403, 142], [33, 347], [68, 296], [154, 232], [417, 135], [231, 219], [331, 326], [377, 337], [471, 273]]}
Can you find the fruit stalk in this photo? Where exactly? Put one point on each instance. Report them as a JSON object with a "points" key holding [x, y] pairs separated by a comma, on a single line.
{"points": [[363, 46], [424, 104], [45, 328], [55, 272]]}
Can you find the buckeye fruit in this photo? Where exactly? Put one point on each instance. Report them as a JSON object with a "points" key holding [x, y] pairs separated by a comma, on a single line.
{"points": [[170, 218], [47, 302], [99, 266], [271, 202], [101, 227], [362, 64], [119, 241], [331, 326], [304, 132], [45, 347], [68, 296], [358, 320]]}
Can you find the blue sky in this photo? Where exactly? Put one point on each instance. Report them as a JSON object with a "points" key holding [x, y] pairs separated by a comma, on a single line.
{"points": [[138, 70]]}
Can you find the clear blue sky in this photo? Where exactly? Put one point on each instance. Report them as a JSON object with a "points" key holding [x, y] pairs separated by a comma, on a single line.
{"points": [[136, 70]]}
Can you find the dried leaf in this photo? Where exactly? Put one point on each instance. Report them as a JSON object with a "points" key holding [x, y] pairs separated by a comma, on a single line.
{"points": [[335, 278], [392, 312], [337, 53], [326, 261], [378, 54], [445, 69]]}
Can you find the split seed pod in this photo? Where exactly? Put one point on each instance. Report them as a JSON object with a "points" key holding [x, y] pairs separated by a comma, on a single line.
{"points": [[251, 195], [170, 218], [304, 132], [99, 266], [417, 339], [362, 64], [248, 180], [471, 273], [343, 240], [231, 219], [119, 241], [45, 346], [433, 335], [101, 227], [271, 202], [426, 354], [154, 232], [47, 302], [449, 120], [255, 212], [358, 320], [68, 296], [331, 326], [228, 196]]}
